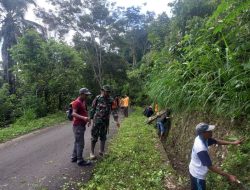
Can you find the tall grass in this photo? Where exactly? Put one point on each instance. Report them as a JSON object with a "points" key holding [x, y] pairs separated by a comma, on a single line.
{"points": [[210, 71]]}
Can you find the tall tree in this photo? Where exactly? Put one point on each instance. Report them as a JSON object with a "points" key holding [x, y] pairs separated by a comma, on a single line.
{"points": [[158, 30], [48, 72], [184, 10], [13, 24], [135, 34], [94, 24]]}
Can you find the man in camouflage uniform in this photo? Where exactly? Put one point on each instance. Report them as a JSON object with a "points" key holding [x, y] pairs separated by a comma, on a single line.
{"points": [[100, 113]]}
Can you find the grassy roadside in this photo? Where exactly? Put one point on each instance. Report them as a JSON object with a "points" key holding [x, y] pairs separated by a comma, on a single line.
{"points": [[133, 161], [26, 125]]}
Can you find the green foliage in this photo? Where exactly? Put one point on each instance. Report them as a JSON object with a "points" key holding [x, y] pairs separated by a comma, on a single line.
{"points": [[49, 76], [203, 68], [28, 123], [158, 30], [48, 72], [185, 10], [7, 113], [135, 87], [133, 161], [236, 163], [206, 70], [12, 25]]}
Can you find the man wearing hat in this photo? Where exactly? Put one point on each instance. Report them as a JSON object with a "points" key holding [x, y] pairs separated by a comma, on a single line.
{"points": [[200, 159], [80, 119], [100, 113]]}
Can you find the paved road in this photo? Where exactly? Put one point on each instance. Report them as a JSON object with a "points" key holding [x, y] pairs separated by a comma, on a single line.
{"points": [[41, 160]]}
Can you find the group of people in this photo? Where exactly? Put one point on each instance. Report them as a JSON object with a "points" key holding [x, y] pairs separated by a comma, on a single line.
{"points": [[102, 106], [149, 111], [163, 123]]}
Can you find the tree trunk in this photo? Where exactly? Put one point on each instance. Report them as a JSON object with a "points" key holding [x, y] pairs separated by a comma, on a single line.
{"points": [[134, 57], [9, 37]]}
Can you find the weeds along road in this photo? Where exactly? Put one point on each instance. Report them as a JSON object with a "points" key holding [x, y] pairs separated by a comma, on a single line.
{"points": [[41, 160]]}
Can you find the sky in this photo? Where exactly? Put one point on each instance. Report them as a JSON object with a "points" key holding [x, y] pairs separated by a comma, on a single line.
{"points": [[158, 6]]}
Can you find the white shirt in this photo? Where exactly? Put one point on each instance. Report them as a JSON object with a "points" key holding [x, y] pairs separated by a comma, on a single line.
{"points": [[198, 164]]}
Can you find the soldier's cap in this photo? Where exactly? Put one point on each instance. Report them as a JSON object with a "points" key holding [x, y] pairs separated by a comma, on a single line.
{"points": [[84, 91], [203, 127], [106, 88]]}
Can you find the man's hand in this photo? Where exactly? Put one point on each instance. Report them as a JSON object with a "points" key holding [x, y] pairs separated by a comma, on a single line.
{"points": [[238, 141], [86, 119], [232, 178]]}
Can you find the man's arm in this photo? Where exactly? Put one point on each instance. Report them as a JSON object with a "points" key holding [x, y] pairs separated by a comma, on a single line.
{"points": [[75, 114], [223, 142], [206, 161], [230, 177]]}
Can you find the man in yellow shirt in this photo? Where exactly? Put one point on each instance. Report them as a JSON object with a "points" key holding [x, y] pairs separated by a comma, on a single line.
{"points": [[125, 105]]}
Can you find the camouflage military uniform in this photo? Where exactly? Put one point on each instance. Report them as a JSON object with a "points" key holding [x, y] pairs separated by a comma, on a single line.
{"points": [[100, 113]]}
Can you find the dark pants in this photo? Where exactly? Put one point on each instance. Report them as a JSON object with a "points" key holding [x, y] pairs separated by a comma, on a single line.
{"points": [[79, 142], [125, 111], [99, 130], [197, 184]]}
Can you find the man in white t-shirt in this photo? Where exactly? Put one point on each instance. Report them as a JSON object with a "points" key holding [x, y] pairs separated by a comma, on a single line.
{"points": [[200, 160]]}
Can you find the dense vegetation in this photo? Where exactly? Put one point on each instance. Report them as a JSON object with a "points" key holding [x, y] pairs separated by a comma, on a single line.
{"points": [[196, 60], [204, 65], [201, 71], [43, 75], [197, 63]]}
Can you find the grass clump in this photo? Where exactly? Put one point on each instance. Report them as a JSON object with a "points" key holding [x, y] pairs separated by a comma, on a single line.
{"points": [[28, 123], [133, 161], [236, 163]]}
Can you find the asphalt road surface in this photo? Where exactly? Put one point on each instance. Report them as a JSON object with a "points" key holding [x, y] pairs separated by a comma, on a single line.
{"points": [[41, 160]]}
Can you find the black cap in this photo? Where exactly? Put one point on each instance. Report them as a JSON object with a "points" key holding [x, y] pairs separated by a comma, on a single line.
{"points": [[106, 88]]}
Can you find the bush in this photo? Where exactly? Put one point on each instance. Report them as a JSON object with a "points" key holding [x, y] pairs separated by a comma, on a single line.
{"points": [[6, 106]]}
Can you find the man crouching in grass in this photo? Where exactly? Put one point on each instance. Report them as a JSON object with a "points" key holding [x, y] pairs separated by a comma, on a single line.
{"points": [[200, 159]]}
